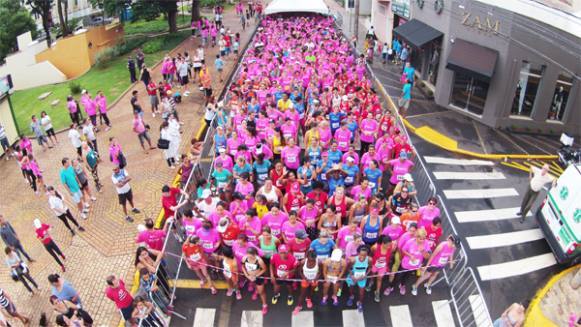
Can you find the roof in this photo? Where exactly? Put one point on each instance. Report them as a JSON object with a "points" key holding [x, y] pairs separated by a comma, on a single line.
{"points": [[473, 59], [290, 6], [417, 33]]}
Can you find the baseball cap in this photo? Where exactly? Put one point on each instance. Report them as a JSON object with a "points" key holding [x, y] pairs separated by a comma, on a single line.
{"points": [[403, 154], [324, 233], [283, 248], [337, 255], [395, 220], [350, 159], [206, 193], [301, 234], [408, 177], [223, 225], [222, 150]]}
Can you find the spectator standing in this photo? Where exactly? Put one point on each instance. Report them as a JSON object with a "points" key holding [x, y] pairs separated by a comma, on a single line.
{"points": [[59, 208], [121, 179], [73, 108], [140, 57], [75, 138], [135, 103], [8, 305], [64, 290], [36, 128], [131, 68], [141, 130], [153, 99], [19, 270], [89, 133], [11, 239], [43, 234], [69, 179], [46, 123], [537, 179], [219, 64], [102, 105], [92, 161], [117, 293], [4, 143]]}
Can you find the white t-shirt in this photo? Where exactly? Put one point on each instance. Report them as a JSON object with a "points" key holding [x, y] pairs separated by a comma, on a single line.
{"points": [[89, 132], [539, 180], [57, 205], [117, 178], [46, 123], [210, 113], [207, 209], [75, 137]]}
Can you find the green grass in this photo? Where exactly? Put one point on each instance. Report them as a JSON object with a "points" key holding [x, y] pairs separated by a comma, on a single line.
{"points": [[112, 80], [157, 25]]}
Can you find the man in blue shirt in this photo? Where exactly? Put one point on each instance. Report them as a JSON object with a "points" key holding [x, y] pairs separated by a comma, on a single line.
{"points": [[219, 64], [69, 180], [409, 72], [323, 246], [406, 97], [352, 172], [63, 290]]}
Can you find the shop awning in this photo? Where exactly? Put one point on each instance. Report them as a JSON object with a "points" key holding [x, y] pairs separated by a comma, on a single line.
{"points": [[472, 59], [417, 33]]}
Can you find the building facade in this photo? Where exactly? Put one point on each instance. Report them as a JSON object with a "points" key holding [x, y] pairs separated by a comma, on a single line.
{"points": [[508, 64]]}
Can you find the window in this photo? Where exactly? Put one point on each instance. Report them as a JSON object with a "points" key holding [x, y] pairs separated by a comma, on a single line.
{"points": [[382, 9], [560, 97], [526, 89]]}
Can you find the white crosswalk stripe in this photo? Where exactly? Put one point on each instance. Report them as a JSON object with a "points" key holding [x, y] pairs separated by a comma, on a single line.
{"points": [[352, 318], [480, 193], [400, 316], [487, 215], [516, 267], [504, 239], [458, 162], [478, 310], [251, 318], [443, 313], [204, 317], [468, 175], [303, 319]]}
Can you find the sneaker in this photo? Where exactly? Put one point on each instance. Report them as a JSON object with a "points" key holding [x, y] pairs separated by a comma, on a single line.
{"points": [[135, 210], [359, 307], [87, 205], [264, 309], [81, 229], [153, 114], [350, 301], [414, 290], [324, 300], [72, 232], [238, 295], [376, 297], [309, 303], [429, 290], [85, 211], [254, 296], [84, 215], [213, 290], [339, 292], [93, 199], [387, 291], [335, 301], [229, 292], [402, 289], [290, 300], [274, 299], [63, 268], [297, 310], [129, 219]]}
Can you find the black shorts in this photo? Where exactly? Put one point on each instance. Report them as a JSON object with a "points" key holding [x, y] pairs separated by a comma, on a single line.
{"points": [[50, 132], [197, 69], [208, 92], [259, 281], [435, 269], [42, 140], [124, 197], [85, 185], [184, 80], [4, 143], [284, 282]]}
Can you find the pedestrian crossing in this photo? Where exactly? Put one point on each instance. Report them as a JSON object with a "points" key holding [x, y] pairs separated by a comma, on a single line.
{"points": [[399, 315], [489, 186]]}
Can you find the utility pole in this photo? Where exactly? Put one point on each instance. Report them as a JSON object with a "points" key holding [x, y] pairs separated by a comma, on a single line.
{"points": [[356, 27]]}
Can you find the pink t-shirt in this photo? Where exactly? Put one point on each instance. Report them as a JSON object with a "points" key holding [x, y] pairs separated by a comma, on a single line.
{"points": [[415, 259], [253, 229], [214, 217], [427, 215], [238, 210], [244, 189], [309, 216], [351, 248], [345, 236], [191, 225], [393, 231], [154, 238], [343, 138], [290, 156], [226, 161], [353, 155], [442, 257], [288, 131], [399, 168], [274, 222], [368, 128], [102, 104], [209, 239], [289, 230], [357, 191]]}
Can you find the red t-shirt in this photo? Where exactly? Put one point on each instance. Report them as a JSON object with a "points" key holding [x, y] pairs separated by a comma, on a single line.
{"points": [[230, 234], [169, 201], [119, 295], [283, 268], [153, 238], [299, 250], [433, 236], [320, 201], [42, 234]]}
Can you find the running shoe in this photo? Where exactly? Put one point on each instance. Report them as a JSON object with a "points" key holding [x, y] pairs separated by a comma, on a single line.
{"points": [[350, 301], [213, 290], [414, 290], [324, 300], [84, 215], [264, 309], [254, 296], [376, 297], [359, 307], [387, 291], [402, 289], [290, 300], [87, 205], [429, 290], [339, 292], [297, 309], [275, 298], [93, 199], [229, 292], [135, 210], [335, 301], [309, 303], [238, 295], [129, 219], [81, 229], [85, 210]]}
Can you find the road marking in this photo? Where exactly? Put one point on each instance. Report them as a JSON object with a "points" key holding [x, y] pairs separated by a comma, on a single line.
{"points": [[517, 267], [352, 318], [468, 175], [251, 318], [204, 317], [443, 313], [459, 162], [481, 316], [303, 319], [400, 316], [504, 239], [480, 193], [195, 283], [487, 215]]}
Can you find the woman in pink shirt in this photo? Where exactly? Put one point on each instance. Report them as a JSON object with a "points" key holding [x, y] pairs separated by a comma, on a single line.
{"points": [[291, 226], [325, 134], [251, 226], [102, 105], [209, 237], [368, 133], [275, 219], [414, 252], [399, 167], [362, 190], [290, 155], [73, 110], [346, 234], [343, 138], [238, 207], [428, 212], [442, 255], [114, 151]]}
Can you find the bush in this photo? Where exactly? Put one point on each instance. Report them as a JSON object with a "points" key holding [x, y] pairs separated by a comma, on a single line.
{"points": [[208, 3], [103, 58], [153, 46], [75, 88]]}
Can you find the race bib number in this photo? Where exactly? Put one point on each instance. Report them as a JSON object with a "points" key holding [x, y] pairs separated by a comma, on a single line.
{"points": [[251, 237], [399, 209], [292, 159], [332, 279], [380, 264], [251, 266], [443, 260], [342, 144], [196, 257], [359, 274], [222, 184], [348, 238], [400, 177], [335, 125], [229, 242], [227, 273], [322, 257], [414, 262], [372, 184], [262, 176], [281, 273], [299, 255], [287, 135], [208, 246], [349, 179], [276, 232], [371, 235]]}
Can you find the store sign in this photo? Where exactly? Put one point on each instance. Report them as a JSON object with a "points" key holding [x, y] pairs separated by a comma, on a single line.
{"points": [[401, 8], [487, 25]]}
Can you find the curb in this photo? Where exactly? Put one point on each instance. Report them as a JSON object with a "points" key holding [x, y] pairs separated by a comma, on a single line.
{"points": [[428, 134]]}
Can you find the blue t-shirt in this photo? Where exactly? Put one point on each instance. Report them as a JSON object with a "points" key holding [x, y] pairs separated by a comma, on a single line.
{"points": [[351, 173], [219, 141], [219, 63], [407, 91], [261, 170], [409, 73], [305, 188], [352, 126], [334, 182], [373, 176], [323, 250], [314, 154], [335, 120], [335, 156], [69, 178], [66, 293], [324, 169], [241, 170]]}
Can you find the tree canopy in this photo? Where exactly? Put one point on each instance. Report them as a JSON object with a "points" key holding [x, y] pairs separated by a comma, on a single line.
{"points": [[14, 20]]}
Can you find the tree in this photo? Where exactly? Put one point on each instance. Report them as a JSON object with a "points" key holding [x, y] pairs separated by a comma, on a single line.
{"points": [[42, 9], [14, 20], [170, 8], [195, 10], [64, 17]]}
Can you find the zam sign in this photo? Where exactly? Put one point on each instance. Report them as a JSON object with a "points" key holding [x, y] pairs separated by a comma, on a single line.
{"points": [[486, 25]]}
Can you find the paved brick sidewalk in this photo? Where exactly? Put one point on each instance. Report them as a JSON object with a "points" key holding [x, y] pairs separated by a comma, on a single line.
{"points": [[107, 247]]}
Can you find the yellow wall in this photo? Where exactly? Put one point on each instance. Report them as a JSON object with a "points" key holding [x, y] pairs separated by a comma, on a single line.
{"points": [[74, 55], [8, 123]]}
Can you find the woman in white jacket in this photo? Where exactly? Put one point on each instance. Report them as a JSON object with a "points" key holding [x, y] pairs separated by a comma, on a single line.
{"points": [[61, 210], [176, 137], [170, 153]]}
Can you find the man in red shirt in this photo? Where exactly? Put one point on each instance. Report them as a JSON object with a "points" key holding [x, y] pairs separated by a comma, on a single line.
{"points": [[228, 231], [153, 99], [117, 293], [169, 200], [153, 238], [434, 233], [299, 245], [282, 266]]}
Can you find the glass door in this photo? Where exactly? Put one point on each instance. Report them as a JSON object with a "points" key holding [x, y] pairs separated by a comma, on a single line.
{"points": [[469, 93]]}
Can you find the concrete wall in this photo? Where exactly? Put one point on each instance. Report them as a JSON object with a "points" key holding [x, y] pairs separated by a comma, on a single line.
{"points": [[382, 20], [364, 7], [8, 123]]}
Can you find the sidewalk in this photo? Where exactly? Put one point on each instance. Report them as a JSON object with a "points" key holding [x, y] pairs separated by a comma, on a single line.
{"points": [[107, 247]]}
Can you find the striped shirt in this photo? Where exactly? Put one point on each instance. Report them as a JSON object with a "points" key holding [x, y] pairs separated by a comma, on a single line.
{"points": [[4, 302], [2, 132]]}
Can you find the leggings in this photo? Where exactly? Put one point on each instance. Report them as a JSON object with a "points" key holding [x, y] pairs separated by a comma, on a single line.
{"points": [[104, 117], [76, 117], [65, 217], [170, 161], [23, 277], [53, 250], [95, 174], [32, 179], [93, 119]]}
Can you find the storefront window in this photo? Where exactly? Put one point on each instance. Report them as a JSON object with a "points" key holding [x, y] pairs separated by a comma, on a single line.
{"points": [[526, 89], [560, 97]]}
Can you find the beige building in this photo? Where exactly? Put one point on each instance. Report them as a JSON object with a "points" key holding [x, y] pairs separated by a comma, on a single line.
{"points": [[387, 15]]}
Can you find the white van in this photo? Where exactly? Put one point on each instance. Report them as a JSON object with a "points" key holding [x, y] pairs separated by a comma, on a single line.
{"points": [[560, 216]]}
